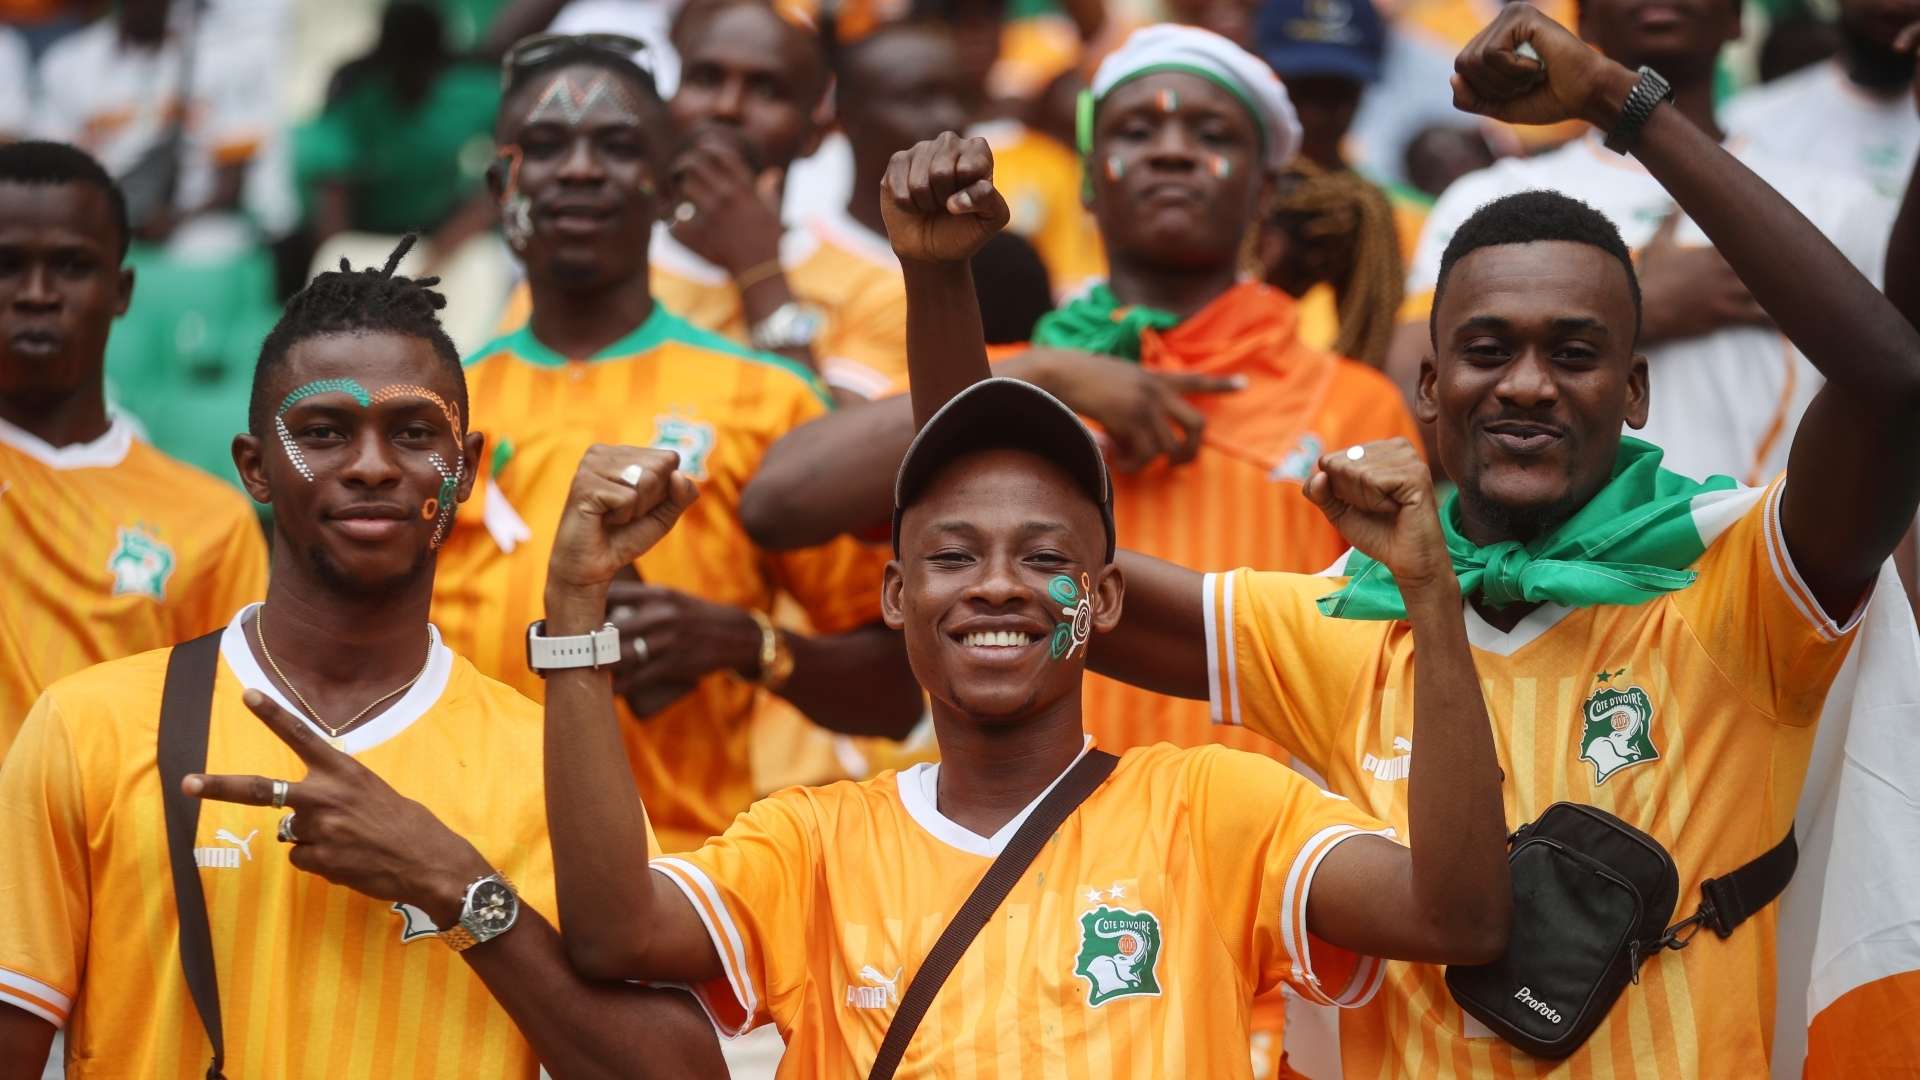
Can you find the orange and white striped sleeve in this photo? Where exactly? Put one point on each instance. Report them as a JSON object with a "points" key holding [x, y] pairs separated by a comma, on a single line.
{"points": [[1260, 833], [46, 908], [751, 887], [1783, 650]]}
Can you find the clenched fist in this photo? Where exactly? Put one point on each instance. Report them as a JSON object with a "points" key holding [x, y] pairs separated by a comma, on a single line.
{"points": [[623, 500], [1382, 502], [1568, 81], [939, 202]]}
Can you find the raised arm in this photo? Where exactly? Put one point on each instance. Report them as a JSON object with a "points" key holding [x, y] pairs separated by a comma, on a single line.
{"points": [[1858, 446], [1445, 898]]}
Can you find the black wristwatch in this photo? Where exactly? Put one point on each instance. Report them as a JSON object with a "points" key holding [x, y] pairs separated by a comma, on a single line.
{"points": [[1647, 93]]}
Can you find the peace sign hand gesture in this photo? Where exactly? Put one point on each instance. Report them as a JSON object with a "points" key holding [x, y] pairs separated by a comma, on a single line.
{"points": [[351, 828]]}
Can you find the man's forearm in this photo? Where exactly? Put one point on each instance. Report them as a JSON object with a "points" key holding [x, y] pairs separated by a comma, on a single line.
{"points": [[830, 476], [1819, 300], [1903, 254], [583, 1028], [1454, 810], [857, 683], [946, 344], [594, 816]]}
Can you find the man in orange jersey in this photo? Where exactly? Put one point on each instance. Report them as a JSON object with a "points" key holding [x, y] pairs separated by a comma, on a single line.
{"points": [[1187, 882], [1660, 647], [1173, 357], [112, 547], [325, 953], [601, 360]]}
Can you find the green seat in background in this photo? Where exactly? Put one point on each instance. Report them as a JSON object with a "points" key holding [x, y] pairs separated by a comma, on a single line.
{"points": [[181, 359]]}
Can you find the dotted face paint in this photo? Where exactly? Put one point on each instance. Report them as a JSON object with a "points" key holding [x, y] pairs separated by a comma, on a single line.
{"points": [[439, 507], [301, 393], [566, 102], [1076, 609]]}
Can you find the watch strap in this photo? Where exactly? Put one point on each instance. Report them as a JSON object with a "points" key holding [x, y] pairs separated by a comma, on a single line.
{"points": [[596, 650], [459, 938], [1647, 93]]}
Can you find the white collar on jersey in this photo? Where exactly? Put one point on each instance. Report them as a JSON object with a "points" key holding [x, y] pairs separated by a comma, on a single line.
{"points": [[1482, 634], [412, 705], [674, 257], [919, 793], [104, 452]]}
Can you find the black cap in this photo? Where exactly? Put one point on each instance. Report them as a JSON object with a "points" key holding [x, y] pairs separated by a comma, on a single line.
{"points": [[1005, 414]]}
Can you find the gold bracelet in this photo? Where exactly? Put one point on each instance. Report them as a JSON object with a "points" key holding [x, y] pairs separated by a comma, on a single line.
{"points": [[754, 275], [776, 659]]}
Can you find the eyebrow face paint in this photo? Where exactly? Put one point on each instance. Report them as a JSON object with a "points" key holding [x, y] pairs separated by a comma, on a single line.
{"points": [[440, 505], [567, 102], [398, 390], [301, 393], [1076, 607]]}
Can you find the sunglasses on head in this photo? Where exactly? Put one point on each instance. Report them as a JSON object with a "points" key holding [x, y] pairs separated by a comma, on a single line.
{"points": [[537, 49]]}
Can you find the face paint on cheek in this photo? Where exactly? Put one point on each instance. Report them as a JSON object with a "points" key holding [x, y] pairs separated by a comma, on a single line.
{"points": [[1115, 167], [1076, 607], [440, 506], [1220, 167]]}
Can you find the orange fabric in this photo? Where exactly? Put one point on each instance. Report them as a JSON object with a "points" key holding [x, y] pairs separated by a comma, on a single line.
{"points": [[1842, 1041]]}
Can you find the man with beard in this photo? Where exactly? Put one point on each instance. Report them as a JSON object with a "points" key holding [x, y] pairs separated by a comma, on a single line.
{"points": [[1854, 113], [1656, 646], [584, 145], [1732, 388], [325, 955], [113, 547]]}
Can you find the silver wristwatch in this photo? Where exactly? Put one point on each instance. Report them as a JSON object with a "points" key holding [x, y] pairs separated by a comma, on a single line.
{"points": [[490, 909], [596, 650], [793, 325]]}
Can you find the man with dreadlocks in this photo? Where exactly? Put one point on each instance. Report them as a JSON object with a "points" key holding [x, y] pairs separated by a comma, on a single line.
{"points": [[328, 701], [1172, 356], [113, 548]]}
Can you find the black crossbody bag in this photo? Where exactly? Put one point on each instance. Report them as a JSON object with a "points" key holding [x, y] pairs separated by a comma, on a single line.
{"points": [[186, 708], [1592, 900]]}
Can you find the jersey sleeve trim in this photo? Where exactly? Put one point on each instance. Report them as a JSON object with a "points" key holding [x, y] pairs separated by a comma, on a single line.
{"points": [[34, 996], [733, 1018], [855, 377], [1223, 686], [1368, 971], [1789, 577]]}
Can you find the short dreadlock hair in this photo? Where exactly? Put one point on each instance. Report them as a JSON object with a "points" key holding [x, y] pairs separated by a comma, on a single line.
{"points": [[349, 301], [34, 162], [1530, 217]]}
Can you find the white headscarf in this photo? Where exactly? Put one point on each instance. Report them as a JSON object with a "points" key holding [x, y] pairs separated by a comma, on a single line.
{"points": [[1189, 49]]}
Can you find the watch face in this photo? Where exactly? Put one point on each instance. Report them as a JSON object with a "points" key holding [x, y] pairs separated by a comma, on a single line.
{"points": [[491, 908]]}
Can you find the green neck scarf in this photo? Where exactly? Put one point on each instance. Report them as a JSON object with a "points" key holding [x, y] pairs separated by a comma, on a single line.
{"points": [[1632, 542], [1089, 323]]}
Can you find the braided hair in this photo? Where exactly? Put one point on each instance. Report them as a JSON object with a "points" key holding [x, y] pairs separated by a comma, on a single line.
{"points": [[1318, 204], [349, 301]]}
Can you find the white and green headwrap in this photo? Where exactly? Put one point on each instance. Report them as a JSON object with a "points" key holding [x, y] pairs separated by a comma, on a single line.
{"points": [[1193, 51]]}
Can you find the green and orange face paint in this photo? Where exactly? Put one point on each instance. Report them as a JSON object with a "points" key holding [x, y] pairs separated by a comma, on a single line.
{"points": [[439, 507]]}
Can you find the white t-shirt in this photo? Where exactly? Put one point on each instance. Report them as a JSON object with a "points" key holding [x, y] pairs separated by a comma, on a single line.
{"points": [[117, 102], [16, 84], [1726, 402], [1819, 115]]}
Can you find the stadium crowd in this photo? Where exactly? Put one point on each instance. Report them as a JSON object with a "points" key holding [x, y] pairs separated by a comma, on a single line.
{"points": [[819, 538]]}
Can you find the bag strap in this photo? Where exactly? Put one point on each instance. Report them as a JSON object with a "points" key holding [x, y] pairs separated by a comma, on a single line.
{"points": [[186, 706], [1733, 898], [1072, 790]]}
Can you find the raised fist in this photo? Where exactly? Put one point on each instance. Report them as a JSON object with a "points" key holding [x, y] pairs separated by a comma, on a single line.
{"points": [[939, 201], [623, 500], [1565, 79], [1382, 502]]}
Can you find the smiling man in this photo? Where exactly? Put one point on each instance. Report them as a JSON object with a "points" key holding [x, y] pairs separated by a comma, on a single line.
{"points": [[584, 155], [1185, 883], [112, 547], [1656, 646], [328, 954]]}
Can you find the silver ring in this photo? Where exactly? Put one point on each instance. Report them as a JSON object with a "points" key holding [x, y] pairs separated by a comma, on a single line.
{"points": [[631, 475], [280, 793], [1355, 453], [285, 834], [640, 652], [684, 213]]}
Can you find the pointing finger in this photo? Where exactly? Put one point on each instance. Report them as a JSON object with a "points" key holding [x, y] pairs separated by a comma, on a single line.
{"points": [[245, 790]]}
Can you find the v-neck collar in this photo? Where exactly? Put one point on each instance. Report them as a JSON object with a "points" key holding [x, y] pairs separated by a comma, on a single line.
{"points": [[413, 704], [919, 793]]}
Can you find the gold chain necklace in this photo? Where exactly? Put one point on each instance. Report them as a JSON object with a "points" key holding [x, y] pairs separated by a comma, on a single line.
{"points": [[332, 732]]}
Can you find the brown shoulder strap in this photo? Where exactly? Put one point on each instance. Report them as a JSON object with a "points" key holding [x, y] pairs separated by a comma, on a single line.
{"points": [[186, 706], [999, 880]]}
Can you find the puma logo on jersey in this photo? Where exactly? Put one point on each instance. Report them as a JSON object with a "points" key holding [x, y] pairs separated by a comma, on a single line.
{"points": [[225, 858], [1393, 768], [1524, 996], [881, 993]]}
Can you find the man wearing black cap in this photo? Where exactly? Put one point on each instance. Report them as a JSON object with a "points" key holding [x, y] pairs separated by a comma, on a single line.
{"points": [[1185, 883]]}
